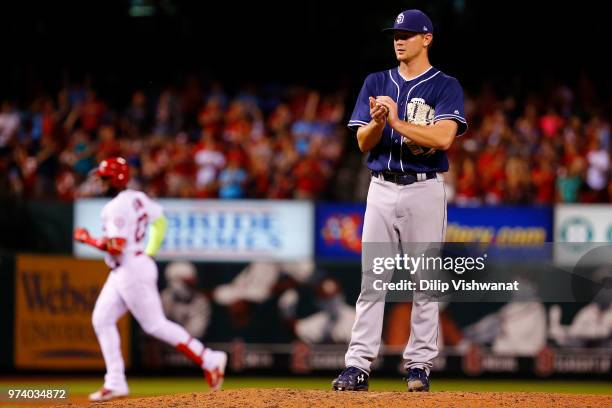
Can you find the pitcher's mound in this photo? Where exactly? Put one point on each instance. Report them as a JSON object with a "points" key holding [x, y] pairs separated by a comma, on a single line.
{"points": [[287, 398]]}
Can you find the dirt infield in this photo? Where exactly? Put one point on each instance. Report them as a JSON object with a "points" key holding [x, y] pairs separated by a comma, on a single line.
{"points": [[284, 398]]}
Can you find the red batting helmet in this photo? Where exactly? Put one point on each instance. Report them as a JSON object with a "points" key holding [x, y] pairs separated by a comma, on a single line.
{"points": [[116, 170]]}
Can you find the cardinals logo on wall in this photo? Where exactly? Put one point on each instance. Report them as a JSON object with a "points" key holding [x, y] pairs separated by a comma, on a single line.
{"points": [[544, 363]]}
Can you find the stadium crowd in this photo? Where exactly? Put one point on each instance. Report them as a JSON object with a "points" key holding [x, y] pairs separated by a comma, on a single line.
{"points": [[550, 146], [287, 142], [180, 143]]}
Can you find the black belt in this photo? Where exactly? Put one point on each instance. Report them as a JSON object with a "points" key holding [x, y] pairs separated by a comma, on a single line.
{"points": [[404, 179]]}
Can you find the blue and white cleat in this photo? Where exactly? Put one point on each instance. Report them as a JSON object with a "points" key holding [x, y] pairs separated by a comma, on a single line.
{"points": [[417, 380], [351, 379]]}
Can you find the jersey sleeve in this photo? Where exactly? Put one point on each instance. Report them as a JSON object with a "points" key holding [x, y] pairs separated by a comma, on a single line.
{"points": [[450, 106], [361, 112], [115, 223], [153, 209]]}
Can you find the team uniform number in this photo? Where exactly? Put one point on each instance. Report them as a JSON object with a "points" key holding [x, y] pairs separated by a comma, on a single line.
{"points": [[141, 222]]}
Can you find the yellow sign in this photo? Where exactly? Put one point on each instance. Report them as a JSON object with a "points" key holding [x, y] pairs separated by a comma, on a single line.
{"points": [[503, 236], [54, 299]]}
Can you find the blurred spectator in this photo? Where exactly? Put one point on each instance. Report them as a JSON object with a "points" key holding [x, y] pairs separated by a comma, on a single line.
{"points": [[517, 181], [309, 177], [210, 117], [9, 123], [136, 116], [209, 160], [491, 173], [466, 184], [232, 178], [598, 161], [79, 154], [181, 169], [168, 117], [543, 179], [569, 182], [47, 164], [65, 184], [108, 145], [550, 123], [91, 112]]}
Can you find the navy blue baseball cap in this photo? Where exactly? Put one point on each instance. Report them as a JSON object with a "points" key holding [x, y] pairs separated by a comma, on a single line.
{"points": [[412, 20]]}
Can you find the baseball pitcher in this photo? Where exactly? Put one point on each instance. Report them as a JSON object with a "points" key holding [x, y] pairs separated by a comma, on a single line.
{"points": [[406, 118]]}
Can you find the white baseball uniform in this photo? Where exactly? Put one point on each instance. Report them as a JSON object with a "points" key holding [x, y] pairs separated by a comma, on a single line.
{"points": [[132, 285]]}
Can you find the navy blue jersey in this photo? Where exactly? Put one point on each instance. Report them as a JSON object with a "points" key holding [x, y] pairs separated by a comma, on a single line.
{"points": [[424, 100]]}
